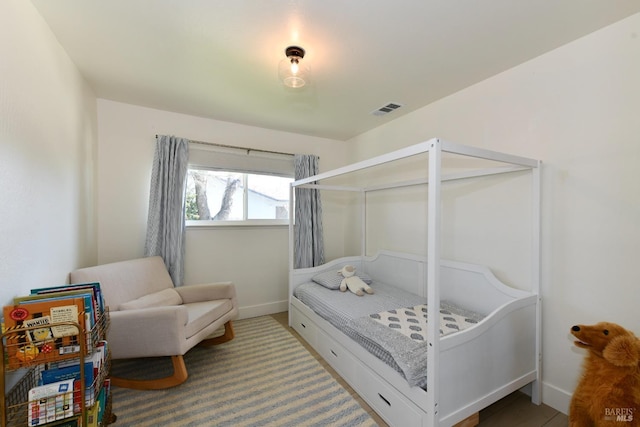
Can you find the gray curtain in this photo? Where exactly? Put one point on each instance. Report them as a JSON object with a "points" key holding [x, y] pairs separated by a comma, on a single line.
{"points": [[308, 236], [165, 224]]}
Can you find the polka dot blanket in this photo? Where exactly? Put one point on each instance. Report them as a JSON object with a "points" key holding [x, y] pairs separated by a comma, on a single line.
{"points": [[412, 321]]}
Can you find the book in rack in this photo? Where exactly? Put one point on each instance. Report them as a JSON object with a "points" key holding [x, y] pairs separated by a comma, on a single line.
{"points": [[43, 330]]}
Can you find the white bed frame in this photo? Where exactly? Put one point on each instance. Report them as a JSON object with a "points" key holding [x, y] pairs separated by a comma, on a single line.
{"points": [[475, 367]]}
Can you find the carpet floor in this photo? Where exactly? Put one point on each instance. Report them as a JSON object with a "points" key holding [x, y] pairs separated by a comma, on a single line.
{"points": [[263, 377]]}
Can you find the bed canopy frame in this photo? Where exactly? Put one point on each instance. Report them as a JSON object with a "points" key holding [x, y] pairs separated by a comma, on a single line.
{"points": [[434, 148]]}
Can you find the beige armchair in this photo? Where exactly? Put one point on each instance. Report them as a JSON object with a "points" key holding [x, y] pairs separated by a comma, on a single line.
{"points": [[151, 318]]}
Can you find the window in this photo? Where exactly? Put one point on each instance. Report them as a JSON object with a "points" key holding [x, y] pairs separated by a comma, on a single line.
{"points": [[233, 196], [237, 189]]}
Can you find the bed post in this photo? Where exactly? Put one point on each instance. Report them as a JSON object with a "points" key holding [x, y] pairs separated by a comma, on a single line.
{"points": [[292, 193], [363, 222], [536, 388], [433, 282]]}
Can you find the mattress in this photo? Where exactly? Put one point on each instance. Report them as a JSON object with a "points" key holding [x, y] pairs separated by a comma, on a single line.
{"points": [[390, 324]]}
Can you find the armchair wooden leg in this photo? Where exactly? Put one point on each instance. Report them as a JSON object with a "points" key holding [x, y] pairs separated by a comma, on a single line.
{"points": [[179, 376], [227, 336]]}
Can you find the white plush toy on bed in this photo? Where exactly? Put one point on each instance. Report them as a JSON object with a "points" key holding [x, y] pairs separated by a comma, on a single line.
{"points": [[353, 282]]}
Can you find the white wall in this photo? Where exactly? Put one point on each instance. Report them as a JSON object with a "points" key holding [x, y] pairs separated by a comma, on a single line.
{"points": [[576, 108], [254, 258], [47, 136]]}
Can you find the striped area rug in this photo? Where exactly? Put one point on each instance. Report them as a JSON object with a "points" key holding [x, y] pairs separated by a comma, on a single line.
{"points": [[263, 377]]}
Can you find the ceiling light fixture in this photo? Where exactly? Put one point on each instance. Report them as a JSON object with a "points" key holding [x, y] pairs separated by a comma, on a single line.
{"points": [[291, 72]]}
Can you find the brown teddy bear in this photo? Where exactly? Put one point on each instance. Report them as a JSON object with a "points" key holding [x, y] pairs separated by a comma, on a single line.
{"points": [[608, 393]]}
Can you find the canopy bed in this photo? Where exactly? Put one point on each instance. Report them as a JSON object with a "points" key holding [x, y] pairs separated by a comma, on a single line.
{"points": [[417, 366]]}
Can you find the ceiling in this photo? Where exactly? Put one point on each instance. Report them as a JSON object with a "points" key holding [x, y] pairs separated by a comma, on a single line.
{"points": [[219, 59]]}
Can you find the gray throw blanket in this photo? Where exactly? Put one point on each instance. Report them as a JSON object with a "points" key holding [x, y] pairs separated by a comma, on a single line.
{"points": [[402, 333]]}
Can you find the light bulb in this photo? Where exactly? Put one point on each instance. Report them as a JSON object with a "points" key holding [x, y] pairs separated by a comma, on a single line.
{"points": [[291, 73]]}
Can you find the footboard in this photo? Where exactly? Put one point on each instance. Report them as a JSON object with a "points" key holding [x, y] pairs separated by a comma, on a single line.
{"points": [[489, 361]]}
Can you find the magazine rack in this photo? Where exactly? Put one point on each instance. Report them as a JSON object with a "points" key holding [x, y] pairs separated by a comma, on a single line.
{"points": [[22, 359]]}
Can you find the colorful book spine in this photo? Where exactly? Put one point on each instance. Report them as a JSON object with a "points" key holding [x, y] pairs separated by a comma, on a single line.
{"points": [[93, 287]]}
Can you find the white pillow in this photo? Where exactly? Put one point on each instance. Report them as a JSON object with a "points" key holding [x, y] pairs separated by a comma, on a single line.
{"points": [[161, 298]]}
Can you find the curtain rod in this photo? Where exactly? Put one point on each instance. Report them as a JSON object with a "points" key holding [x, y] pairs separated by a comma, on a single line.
{"points": [[247, 149]]}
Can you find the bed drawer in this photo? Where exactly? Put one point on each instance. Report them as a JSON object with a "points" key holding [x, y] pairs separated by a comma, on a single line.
{"points": [[386, 401], [305, 327], [337, 356]]}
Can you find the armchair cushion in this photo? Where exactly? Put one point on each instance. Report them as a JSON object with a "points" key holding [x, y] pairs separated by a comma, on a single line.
{"points": [[161, 298], [204, 313], [125, 281]]}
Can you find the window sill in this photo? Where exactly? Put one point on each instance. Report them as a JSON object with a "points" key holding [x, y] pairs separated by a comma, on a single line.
{"points": [[283, 223]]}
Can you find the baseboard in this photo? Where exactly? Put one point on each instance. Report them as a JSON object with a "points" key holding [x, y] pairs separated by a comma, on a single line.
{"points": [[555, 397], [552, 396], [263, 309]]}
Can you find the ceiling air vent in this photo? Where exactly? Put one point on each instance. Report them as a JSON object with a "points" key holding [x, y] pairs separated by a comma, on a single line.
{"points": [[392, 106]]}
